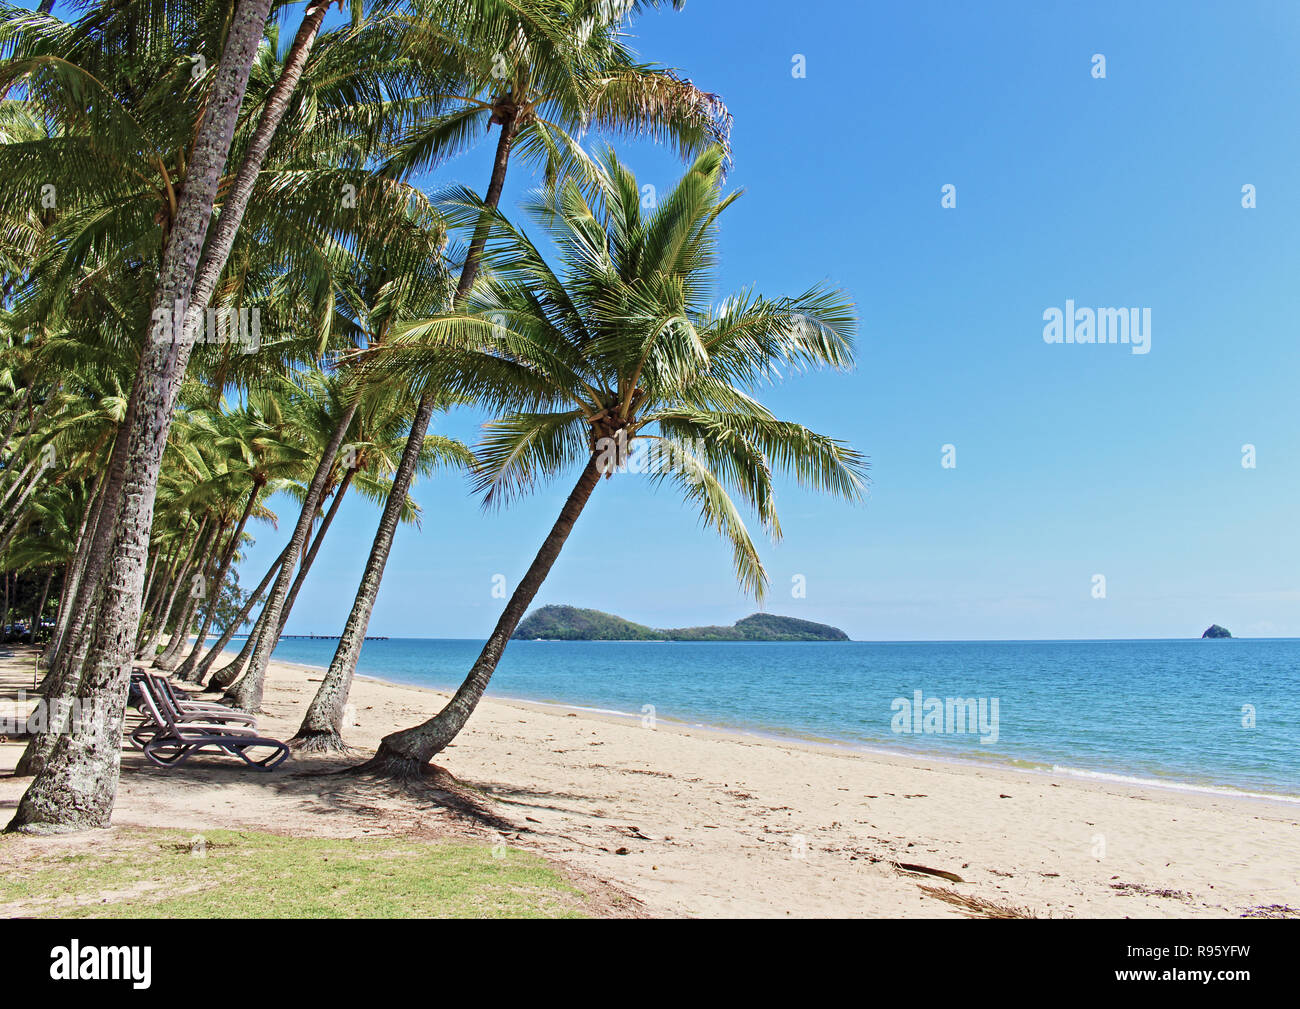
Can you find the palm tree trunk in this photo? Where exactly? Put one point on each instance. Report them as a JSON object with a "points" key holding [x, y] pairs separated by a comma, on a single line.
{"points": [[18, 481], [168, 563], [186, 671], [236, 202], [321, 728], [175, 653], [40, 605], [152, 623], [80, 605], [33, 424], [229, 673], [238, 622], [147, 594], [77, 600], [24, 400], [404, 754], [16, 514], [171, 656], [148, 650], [179, 634], [73, 572], [247, 693], [315, 547], [60, 684], [77, 786]]}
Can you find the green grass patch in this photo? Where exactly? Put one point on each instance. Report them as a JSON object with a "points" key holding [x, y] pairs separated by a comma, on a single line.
{"points": [[236, 874]]}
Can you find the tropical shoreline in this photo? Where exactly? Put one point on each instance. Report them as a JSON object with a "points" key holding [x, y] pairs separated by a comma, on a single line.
{"points": [[693, 821], [782, 734], [777, 734]]}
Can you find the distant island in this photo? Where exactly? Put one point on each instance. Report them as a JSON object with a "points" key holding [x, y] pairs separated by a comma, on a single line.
{"points": [[569, 623], [1215, 631]]}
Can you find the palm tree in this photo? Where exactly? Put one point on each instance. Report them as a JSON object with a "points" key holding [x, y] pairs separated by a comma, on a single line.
{"points": [[179, 539], [618, 353], [125, 103], [77, 786], [269, 459], [50, 541], [368, 459], [322, 422], [336, 253], [543, 77], [112, 169], [377, 455], [373, 436], [76, 72], [202, 481], [251, 600]]}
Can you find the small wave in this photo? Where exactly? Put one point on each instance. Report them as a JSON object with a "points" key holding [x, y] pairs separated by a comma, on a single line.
{"points": [[1177, 786], [574, 707]]}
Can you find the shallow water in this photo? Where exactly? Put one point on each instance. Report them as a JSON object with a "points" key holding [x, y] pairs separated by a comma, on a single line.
{"points": [[1167, 711]]}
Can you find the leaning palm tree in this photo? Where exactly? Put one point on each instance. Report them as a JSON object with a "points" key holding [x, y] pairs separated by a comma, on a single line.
{"points": [[543, 75], [619, 364], [268, 459], [78, 784], [374, 413]]}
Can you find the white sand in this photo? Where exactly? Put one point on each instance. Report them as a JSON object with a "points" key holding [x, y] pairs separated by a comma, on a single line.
{"points": [[717, 824]]}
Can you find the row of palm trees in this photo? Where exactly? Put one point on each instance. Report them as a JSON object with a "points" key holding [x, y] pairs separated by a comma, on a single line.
{"points": [[165, 161]]}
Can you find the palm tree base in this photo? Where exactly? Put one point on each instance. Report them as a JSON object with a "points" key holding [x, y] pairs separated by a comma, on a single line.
{"points": [[388, 763], [41, 828], [55, 805], [224, 677], [320, 741]]}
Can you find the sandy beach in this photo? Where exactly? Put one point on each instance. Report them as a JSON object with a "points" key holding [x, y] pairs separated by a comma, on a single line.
{"points": [[693, 822]]}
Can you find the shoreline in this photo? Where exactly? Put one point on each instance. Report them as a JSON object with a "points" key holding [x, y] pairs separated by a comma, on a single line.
{"points": [[700, 822], [782, 735]]}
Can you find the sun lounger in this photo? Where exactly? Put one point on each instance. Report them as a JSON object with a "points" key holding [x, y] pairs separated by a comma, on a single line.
{"points": [[168, 741], [185, 704], [163, 698]]}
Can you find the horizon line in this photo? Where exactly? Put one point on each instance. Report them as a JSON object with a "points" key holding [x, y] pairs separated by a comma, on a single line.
{"points": [[862, 641]]}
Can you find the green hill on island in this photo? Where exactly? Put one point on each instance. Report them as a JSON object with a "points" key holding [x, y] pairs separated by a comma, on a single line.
{"points": [[569, 623]]}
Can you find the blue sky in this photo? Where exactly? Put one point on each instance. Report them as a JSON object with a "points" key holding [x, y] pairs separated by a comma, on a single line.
{"points": [[1072, 460]]}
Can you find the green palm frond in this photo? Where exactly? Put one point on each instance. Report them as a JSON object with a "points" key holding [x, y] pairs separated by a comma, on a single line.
{"points": [[618, 349]]}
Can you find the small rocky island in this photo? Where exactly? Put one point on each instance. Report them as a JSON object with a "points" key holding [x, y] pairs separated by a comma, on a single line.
{"points": [[569, 623], [1215, 631]]}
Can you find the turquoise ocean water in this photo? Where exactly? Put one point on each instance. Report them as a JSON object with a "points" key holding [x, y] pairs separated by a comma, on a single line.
{"points": [[1203, 714]]}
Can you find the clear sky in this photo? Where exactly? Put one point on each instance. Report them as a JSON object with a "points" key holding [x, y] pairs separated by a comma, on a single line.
{"points": [[1072, 460]]}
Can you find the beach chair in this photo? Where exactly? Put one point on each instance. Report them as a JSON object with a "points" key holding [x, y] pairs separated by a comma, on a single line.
{"points": [[183, 703], [164, 701], [167, 741]]}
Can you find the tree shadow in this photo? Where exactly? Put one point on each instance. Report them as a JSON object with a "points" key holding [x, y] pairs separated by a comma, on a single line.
{"points": [[328, 786], [322, 784]]}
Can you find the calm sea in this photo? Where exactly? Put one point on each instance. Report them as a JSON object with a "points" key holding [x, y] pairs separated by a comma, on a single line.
{"points": [[1205, 714]]}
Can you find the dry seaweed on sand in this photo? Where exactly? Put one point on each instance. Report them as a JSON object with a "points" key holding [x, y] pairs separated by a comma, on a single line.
{"points": [[977, 907]]}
